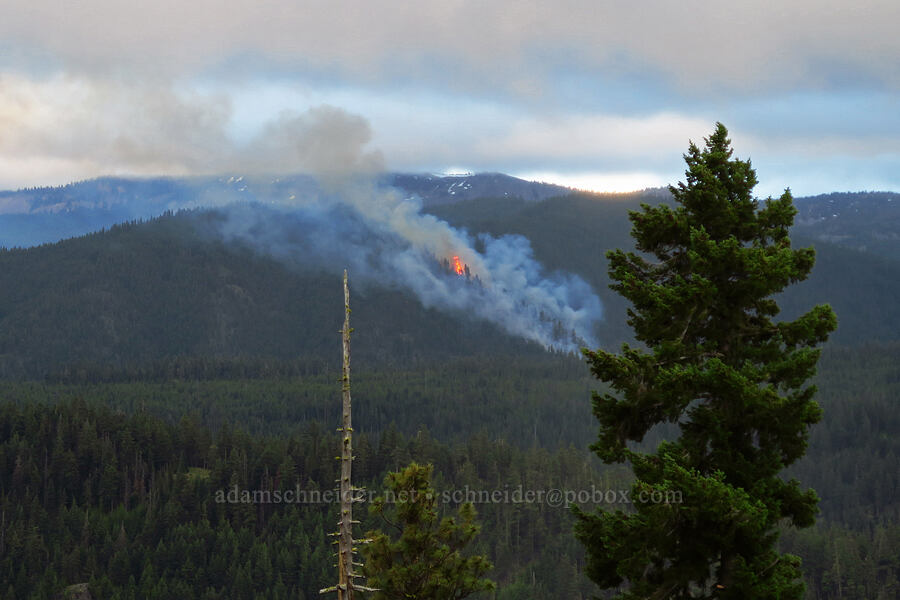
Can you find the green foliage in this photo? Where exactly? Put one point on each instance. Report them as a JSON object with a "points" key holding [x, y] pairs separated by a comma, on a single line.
{"points": [[426, 559], [160, 528], [733, 381], [188, 425], [452, 399]]}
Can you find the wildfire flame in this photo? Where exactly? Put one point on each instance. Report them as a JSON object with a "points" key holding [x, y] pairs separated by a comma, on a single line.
{"points": [[457, 266]]}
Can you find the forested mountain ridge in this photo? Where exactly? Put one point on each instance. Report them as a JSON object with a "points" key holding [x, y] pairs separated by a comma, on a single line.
{"points": [[574, 232], [865, 221], [142, 292], [172, 286]]}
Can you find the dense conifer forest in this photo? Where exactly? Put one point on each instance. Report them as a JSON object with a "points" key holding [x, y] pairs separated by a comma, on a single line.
{"points": [[114, 483], [148, 367]]}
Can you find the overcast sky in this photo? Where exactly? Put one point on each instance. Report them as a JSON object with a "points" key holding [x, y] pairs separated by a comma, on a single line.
{"points": [[595, 94]]}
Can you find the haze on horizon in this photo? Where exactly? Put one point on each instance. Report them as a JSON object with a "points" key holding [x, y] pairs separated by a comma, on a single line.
{"points": [[593, 95]]}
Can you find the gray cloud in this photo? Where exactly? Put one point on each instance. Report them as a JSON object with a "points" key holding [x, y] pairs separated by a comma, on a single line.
{"points": [[109, 87], [102, 127], [694, 45], [325, 140], [141, 129]]}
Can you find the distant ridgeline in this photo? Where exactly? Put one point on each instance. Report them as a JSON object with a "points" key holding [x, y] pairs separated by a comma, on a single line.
{"points": [[865, 221], [34, 216]]}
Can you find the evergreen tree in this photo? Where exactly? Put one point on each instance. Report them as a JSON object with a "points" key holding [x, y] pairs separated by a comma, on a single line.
{"points": [[707, 505], [425, 560]]}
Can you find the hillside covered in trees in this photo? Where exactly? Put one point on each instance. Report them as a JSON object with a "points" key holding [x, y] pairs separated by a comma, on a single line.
{"points": [[178, 287], [114, 483]]}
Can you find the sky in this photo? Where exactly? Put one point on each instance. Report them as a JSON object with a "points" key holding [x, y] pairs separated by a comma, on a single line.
{"points": [[601, 95]]}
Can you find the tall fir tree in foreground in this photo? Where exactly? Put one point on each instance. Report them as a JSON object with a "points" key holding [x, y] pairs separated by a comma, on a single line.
{"points": [[714, 362]]}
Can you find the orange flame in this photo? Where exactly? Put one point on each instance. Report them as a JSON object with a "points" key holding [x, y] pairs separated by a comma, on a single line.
{"points": [[457, 266]]}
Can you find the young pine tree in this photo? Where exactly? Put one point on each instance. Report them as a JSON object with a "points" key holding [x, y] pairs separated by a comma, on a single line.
{"points": [[424, 559], [707, 505]]}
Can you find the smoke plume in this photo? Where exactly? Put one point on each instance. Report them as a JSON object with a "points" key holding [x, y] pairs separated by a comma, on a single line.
{"points": [[384, 237]]}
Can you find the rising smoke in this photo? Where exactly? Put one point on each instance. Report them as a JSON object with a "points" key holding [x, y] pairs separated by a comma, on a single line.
{"points": [[385, 237]]}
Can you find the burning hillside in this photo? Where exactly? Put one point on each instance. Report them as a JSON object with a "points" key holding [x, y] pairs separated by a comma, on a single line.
{"points": [[383, 235], [455, 266]]}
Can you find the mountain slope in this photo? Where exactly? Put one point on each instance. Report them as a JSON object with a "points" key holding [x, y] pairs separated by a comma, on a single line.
{"points": [[574, 233], [865, 221], [141, 292]]}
